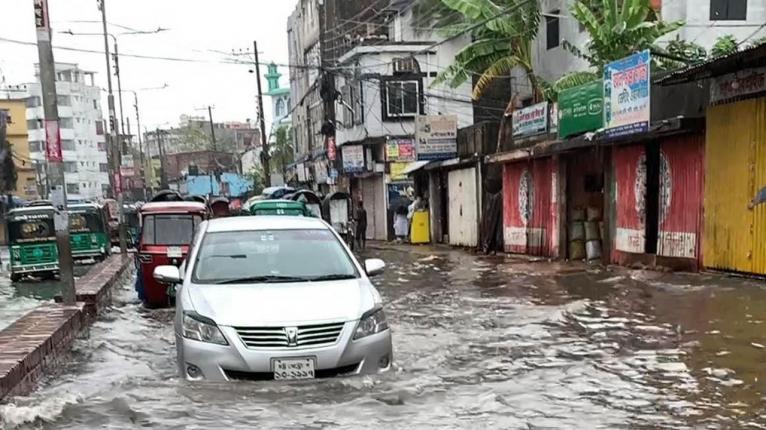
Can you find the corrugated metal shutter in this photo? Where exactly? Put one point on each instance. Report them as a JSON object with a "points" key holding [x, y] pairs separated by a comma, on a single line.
{"points": [[681, 184], [759, 182], [530, 207], [463, 208], [374, 200], [735, 165], [630, 221]]}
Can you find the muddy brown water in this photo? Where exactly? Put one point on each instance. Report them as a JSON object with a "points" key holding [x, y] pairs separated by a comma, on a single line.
{"points": [[480, 342]]}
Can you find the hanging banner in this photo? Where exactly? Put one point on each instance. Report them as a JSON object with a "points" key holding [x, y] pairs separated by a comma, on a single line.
{"points": [[627, 90], [436, 137], [53, 141], [581, 109], [397, 171], [530, 121], [400, 150], [353, 158], [331, 149], [740, 84]]}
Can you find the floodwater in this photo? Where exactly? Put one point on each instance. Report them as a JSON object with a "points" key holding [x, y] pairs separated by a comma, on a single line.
{"points": [[480, 342], [16, 299]]}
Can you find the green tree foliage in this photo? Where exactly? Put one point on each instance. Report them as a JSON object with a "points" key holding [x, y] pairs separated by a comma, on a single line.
{"points": [[498, 46], [758, 42], [682, 53], [257, 178], [618, 29], [724, 45], [282, 150]]}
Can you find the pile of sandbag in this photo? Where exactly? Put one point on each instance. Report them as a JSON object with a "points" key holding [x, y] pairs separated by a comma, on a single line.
{"points": [[585, 233]]}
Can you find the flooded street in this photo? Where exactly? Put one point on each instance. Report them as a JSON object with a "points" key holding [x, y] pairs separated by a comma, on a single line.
{"points": [[16, 299], [479, 342]]}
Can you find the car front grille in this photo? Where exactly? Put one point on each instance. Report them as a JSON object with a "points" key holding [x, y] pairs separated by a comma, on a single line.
{"points": [[278, 337]]}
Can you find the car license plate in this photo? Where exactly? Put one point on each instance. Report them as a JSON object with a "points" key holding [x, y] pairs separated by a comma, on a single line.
{"points": [[299, 368], [175, 252]]}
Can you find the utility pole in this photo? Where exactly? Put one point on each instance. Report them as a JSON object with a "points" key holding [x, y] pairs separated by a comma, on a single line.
{"points": [[161, 150], [140, 144], [119, 90], [265, 154], [115, 139], [53, 150], [212, 127]]}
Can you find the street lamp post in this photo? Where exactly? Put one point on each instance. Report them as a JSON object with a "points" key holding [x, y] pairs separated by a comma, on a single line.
{"points": [[115, 144]]}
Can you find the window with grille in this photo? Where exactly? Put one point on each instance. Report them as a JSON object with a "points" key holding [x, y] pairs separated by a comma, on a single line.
{"points": [[402, 99]]}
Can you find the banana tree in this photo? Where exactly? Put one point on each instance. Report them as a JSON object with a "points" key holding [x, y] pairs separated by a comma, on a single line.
{"points": [[617, 29], [499, 45]]}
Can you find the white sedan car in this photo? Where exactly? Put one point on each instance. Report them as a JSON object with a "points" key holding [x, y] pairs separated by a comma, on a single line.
{"points": [[263, 298]]}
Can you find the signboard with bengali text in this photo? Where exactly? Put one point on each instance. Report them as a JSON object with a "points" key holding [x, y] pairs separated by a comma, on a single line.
{"points": [[400, 150], [353, 158], [436, 137], [581, 109], [627, 91], [531, 120]]}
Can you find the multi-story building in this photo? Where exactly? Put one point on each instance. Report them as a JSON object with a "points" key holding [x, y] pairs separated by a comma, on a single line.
{"points": [[16, 134], [86, 168], [308, 115], [705, 21]]}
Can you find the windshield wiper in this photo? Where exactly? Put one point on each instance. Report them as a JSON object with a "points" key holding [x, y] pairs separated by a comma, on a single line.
{"points": [[266, 279], [333, 277]]}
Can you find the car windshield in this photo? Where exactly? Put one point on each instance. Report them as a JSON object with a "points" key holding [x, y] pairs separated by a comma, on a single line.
{"points": [[169, 229], [272, 256]]}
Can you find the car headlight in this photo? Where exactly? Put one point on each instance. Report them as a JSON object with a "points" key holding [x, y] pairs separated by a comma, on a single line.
{"points": [[371, 322], [203, 329]]}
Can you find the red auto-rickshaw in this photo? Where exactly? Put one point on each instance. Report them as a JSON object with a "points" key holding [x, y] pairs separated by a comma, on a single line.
{"points": [[167, 230]]}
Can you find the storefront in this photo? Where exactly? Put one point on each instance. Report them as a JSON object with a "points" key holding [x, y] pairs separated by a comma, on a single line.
{"points": [[658, 201], [735, 162]]}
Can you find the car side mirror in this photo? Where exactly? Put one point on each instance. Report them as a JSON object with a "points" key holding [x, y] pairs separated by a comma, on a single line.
{"points": [[374, 266], [168, 275]]}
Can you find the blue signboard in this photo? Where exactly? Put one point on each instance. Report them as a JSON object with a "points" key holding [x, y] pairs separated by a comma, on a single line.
{"points": [[627, 91]]}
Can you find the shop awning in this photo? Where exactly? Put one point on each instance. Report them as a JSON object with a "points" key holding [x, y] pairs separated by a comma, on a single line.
{"points": [[414, 167]]}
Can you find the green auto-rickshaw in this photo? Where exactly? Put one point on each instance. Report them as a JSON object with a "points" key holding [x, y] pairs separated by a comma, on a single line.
{"points": [[88, 232], [279, 207], [32, 242], [132, 224]]}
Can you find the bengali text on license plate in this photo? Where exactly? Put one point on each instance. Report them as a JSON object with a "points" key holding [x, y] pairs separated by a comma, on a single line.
{"points": [[175, 252], [299, 368]]}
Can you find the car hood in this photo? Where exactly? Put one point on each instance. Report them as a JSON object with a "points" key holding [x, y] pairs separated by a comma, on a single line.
{"points": [[283, 304]]}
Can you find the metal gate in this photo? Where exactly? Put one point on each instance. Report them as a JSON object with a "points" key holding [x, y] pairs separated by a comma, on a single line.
{"points": [[735, 170], [463, 208], [374, 199]]}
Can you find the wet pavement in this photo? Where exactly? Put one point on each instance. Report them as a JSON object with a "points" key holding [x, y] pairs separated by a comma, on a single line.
{"points": [[480, 342]]}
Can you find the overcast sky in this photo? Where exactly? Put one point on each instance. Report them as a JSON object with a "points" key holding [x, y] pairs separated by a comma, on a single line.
{"points": [[197, 28]]}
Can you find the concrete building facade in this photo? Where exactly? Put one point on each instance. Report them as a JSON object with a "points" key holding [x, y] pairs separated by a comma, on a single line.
{"points": [[82, 131]]}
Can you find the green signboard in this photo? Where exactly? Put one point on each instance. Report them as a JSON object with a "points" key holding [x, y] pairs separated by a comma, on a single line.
{"points": [[581, 109]]}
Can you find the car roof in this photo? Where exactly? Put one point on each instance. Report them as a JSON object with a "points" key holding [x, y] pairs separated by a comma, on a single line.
{"points": [[30, 210], [278, 203], [159, 207], [247, 223]]}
